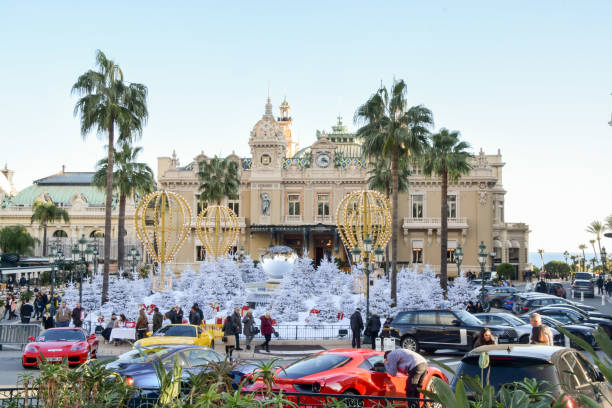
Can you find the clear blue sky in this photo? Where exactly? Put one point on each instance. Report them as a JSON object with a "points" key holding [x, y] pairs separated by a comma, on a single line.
{"points": [[530, 78]]}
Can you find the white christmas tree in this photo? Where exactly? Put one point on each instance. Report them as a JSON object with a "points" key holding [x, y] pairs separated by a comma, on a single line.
{"points": [[419, 291], [92, 293], [327, 307], [230, 278], [460, 293], [250, 272], [164, 300], [71, 295], [329, 278], [380, 297], [303, 273], [121, 298], [347, 305], [288, 299]]}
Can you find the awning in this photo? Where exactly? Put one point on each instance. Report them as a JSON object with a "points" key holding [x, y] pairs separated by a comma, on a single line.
{"points": [[515, 244], [417, 244], [497, 243]]}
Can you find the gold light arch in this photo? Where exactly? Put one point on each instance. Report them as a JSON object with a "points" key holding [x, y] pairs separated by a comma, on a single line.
{"points": [[163, 222], [217, 228], [363, 214]]}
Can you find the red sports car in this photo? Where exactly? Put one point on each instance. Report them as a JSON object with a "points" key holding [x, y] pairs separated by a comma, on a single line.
{"points": [[342, 371], [55, 345]]}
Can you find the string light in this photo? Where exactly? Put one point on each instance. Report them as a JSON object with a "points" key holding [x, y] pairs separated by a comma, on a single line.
{"points": [[217, 228]]}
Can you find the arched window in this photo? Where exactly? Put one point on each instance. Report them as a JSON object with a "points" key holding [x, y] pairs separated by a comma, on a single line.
{"points": [[96, 234], [60, 234]]}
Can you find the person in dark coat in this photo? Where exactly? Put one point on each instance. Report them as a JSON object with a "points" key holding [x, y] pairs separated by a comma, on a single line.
{"points": [[47, 320], [194, 316], [158, 319], [229, 336], [171, 315], [249, 328], [196, 307], [237, 322], [78, 314], [26, 311], [372, 328], [178, 315], [356, 327]]}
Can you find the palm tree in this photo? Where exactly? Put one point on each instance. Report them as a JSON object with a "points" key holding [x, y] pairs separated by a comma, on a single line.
{"points": [[45, 213], [541, 253], [573, 258], [448, 159], [608, 224], [130, 178], [108, 103], [597, 228], [582, 247], [397, 133], [592, 242], [16, 239], [219, 178]]}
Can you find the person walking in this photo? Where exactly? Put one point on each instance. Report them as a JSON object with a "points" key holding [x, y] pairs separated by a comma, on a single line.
{"points": [[158, 319], [229, 336], [13, 312], [266, 329], [62, 316], [7, 306], [142, 325], [47, 319], [536, 321], [485, 338], [608, 287], [45, 299], [26, 311], [600, 285], [78, 315], [194, 316], [372, 328], [410, 363], [249, 329], [237, 322], [356, 327], [38, 306], [179, 315]]}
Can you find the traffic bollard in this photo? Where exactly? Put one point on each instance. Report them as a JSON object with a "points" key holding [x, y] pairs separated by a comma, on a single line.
{"points": [[603, 299], [582, 296]]}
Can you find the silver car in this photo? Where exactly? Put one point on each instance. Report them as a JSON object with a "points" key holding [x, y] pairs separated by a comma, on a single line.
{"points": [[523, 330], [583, 286]]}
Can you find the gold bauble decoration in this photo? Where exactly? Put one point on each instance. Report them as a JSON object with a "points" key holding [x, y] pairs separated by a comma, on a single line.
{"points": [[363, 214], [217, 227], [162, 221]]}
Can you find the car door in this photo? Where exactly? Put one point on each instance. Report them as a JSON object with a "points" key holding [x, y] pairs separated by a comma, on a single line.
{"points": [[382, 382], [449, 331], [427, 329], [199, 359]]}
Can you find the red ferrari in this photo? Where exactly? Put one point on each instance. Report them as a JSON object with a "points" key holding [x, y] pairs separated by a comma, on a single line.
{"points": [[342, 371], [55, 345]]}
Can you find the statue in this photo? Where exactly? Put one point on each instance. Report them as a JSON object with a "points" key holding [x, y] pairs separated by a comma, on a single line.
{"points": [[265, 203]]}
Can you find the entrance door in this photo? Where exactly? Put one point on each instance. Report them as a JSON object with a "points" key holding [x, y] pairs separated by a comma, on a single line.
{"points": [[322, 247]]}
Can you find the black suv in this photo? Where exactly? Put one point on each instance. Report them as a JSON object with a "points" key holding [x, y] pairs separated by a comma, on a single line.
{"points": [[429, 330]]}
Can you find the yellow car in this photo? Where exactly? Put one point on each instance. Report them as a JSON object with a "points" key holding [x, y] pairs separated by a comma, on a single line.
{"points": [[179, 334]]}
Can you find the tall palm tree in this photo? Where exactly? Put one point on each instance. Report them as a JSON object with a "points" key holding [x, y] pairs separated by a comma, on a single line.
{"points": [[130, 178], [592, 242], [597, 228], [541, 253], [608, 224], [219, 178], [397, 133], [446, 157], [107, 104], [45, 213], [582, 247]]}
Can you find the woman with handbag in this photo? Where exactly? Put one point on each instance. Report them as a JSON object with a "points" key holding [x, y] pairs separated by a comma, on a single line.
{"points": [[249, 328], [266, 329], [229, 336]]}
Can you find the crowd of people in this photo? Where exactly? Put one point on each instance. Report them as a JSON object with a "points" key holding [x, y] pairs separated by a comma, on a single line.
{"points": [[234, 325]]}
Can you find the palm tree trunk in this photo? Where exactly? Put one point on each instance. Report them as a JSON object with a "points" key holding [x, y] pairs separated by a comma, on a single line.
{"points": [[594, 251], [444, 232], [121, 240], [394, 226], [108, 210], [45, 239]]}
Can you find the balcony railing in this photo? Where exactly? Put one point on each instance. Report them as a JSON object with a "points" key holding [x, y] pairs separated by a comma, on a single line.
{"points": [[293, 219], [323, 219], [434, 222]]}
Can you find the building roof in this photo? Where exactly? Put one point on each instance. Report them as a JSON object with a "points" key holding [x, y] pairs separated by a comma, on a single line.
{"points": [[61, 188], [347, 144], [82, 178]]}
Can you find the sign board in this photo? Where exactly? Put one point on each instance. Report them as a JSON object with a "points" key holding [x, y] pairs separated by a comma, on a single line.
{"points": [[378, 344], [389, 344]]}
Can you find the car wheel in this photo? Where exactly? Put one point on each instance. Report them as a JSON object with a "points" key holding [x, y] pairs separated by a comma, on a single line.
{"points": [[496, 304], [351, 402], [410, 343], [524, 339], [430, 388]]}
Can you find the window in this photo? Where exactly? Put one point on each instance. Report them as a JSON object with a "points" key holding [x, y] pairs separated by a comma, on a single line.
{"points": [[201, 357], [176, 330], [501, 211], [417, 255], [450, 255], [201, 206], [60, 234], [427, 318], [417, 206], [513, 254], [294, 204], [404, 318], [452, 205], [322, 204], [313, 364], [234, 206], [200, 253], [446, 318]]}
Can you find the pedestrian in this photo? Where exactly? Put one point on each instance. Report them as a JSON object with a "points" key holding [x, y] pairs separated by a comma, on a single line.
{"points": [[158, 319], [45, 299], [78, 315], [38, 306], [237, 323], [106, 333], [485, 338], [179, 315], [538, 336], [471, 307], [266, 329], [600, 285], [478, 307], [55, 303], [536, 321], [609, 287], [7, 306], [23, 281], [372, 328], [194, 316], [142, 325], [356, 327], [171, 315], [229, 337], [249, 329], [13, 312], [47, 319], [62, 316], [26, 311], [410, 363], [196, 307]]}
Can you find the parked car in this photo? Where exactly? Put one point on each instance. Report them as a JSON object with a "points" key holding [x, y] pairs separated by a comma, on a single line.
{"points": [[574, 317], [497, 295], [582, 331], [429, 330], [582, 286], [557, 289], [518, 297], [536, 302], [523, 329], [581, 309], [584, 276], [341, 371], [565, 370], [179, 334], [55, 345]]}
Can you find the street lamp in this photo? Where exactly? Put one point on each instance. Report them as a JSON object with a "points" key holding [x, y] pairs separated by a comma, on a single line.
{"points": [[133, 258], [369, 258], [94, 254], [81, 254], [459, 258], [482, 260], [604, 259]]}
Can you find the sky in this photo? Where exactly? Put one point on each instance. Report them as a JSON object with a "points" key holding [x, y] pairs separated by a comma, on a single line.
{"points": [[532, 79]]}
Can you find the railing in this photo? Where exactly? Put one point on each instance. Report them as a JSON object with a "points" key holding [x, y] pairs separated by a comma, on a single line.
{"points": [[434, 221], [293, 218], [323, 219], [303, 332]]}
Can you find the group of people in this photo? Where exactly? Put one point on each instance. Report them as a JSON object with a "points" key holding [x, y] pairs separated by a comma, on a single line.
{"points": [[603, 285], [234, 324], [27, 311], [372, 328]]}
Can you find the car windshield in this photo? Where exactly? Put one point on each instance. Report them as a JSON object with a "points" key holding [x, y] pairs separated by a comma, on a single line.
{"points": [[513, 320], [313, 364], [581, 275], [582, 283], [144, 355], [180, 331], [62, 335], [507, 369], [468, 318]]}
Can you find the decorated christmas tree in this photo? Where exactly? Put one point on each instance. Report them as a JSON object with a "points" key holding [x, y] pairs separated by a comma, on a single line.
{"points": [[288, 299], [250, 272], [303, 274], [327, 307], [329, 278], [419, 290], [460, 293], [71, 295], [91, 293], [121, 298], [380, 297]]}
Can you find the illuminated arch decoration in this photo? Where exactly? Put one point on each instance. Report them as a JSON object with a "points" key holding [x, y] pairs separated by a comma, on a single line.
{"points": [[217, 228]]}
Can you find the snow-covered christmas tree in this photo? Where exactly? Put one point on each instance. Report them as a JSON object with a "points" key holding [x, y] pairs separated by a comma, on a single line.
{"points": [[71, 295], [327, 307], [460, 293], [380, 297], [250, 272], [288, 300], [347, 305], [329, 278], [418, 290], [302, 271], [121, 298], [92, 293]]}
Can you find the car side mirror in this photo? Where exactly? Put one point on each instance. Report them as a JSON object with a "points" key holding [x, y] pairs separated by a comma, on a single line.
{"points": [[31, 338], [379, 367], [456, 322]]}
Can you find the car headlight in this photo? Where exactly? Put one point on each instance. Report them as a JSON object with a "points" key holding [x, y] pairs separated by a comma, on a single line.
{"points": [[30, 348], [78, 347]]}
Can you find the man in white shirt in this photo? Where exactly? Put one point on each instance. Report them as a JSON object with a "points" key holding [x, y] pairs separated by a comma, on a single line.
{"points": [[536, 320], [410, 363]]}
